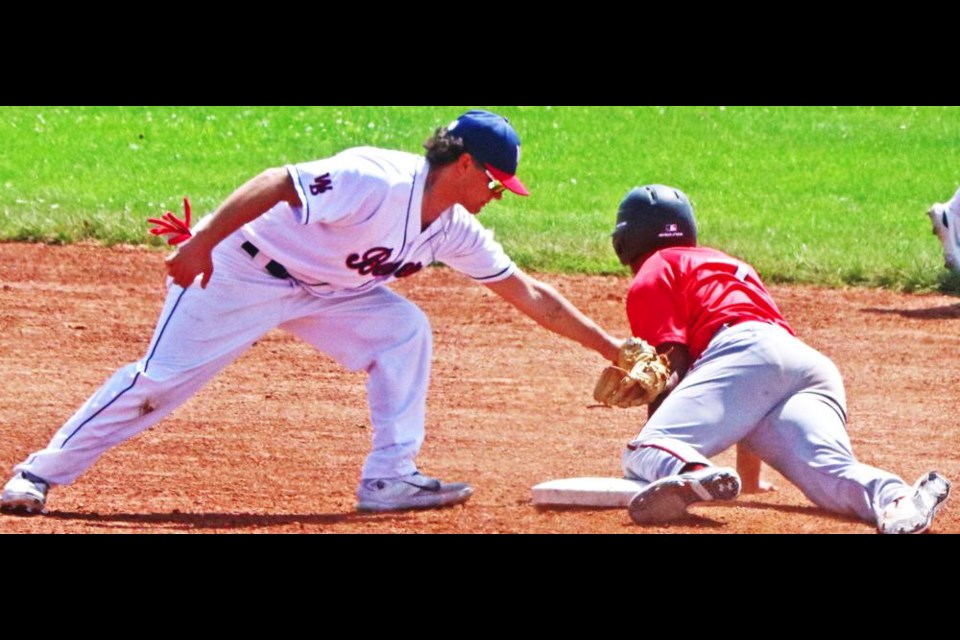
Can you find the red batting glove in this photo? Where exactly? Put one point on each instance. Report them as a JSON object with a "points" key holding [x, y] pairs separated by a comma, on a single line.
{"points": [[170, 225]]}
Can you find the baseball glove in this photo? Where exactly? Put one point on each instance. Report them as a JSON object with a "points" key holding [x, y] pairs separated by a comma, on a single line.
{"points": [[175, 229], [640, 377]]}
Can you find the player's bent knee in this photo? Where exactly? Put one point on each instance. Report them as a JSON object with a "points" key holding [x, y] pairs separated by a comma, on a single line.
{"points": [[413, 328]]}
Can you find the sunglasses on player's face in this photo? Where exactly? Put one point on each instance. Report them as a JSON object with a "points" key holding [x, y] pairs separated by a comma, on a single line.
{"points": [[494, 185]]}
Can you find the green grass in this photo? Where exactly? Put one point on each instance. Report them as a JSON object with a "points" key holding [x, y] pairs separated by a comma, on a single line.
{"points": [[825, 195]]}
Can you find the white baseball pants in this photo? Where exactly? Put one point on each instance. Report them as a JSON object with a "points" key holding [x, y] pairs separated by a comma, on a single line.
{"points": [[201, 331]]}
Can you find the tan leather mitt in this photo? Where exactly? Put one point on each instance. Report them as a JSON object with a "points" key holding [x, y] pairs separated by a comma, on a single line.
{"points": [[639, 379]]}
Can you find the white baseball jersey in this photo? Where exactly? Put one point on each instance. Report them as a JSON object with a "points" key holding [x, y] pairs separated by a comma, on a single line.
{"points": [[358, 226]]}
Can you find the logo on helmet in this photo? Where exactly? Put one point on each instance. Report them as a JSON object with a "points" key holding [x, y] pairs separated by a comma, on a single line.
{"points": [[670, 231]]}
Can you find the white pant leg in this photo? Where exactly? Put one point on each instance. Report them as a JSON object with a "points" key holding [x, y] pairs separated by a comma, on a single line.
{"points": [[952, 219], [389, 337], [199, 332], [953, 205], [805, 439], [734, 384]]}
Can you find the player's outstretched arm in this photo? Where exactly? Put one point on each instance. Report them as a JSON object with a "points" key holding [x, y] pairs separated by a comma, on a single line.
{"points": [[552, 311], [251, 200]]}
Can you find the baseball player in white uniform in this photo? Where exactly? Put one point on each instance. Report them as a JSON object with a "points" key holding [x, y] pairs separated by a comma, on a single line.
{"points": [[945, 218], [308, 248]]}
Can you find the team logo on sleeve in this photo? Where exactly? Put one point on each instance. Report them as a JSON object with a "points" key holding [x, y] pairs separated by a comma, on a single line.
{"points": [[374, 262], [321, 185]]}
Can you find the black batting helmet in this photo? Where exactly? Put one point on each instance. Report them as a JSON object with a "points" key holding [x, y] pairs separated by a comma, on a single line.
{"points": [[651, 218]]}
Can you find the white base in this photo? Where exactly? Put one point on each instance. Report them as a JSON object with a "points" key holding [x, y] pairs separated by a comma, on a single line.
{"points": [[587, 492]]}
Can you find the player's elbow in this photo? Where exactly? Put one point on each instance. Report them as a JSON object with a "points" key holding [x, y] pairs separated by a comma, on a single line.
{"points": [[278, 184]]}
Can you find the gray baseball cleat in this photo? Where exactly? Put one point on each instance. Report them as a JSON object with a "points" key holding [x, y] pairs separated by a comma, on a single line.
{"points": [[415, 491], [24, 494], [949, 234], [914, 513], [667, 499]]}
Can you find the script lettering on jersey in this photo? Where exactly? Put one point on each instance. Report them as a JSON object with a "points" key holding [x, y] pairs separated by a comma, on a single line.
{"points": [[374, 261], [321, 184]]}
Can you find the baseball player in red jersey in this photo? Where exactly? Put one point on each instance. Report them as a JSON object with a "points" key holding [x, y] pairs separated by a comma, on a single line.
{"points": [[739, 375], [308, 248]]}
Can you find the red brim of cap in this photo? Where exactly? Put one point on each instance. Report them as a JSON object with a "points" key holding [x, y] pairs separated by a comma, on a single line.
{"points": [[510, 182]]}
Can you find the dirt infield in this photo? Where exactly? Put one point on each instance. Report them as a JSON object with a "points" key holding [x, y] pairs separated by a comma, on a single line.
{"points": [[275, 443]]}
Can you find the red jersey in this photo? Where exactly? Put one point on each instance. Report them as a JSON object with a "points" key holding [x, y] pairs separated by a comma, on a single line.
{"points": [[685, 294]]}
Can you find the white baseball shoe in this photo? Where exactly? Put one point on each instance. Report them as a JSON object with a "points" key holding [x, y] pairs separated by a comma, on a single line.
{"points": [[947, 228], [914, 513], [415, 491], [24, 494], [668, 498]]}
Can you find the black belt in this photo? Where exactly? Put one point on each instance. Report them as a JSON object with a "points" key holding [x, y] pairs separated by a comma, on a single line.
{"points": [[273, 267]]}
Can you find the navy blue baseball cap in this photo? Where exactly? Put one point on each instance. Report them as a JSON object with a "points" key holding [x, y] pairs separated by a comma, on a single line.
{"points": [[492, 142]]}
